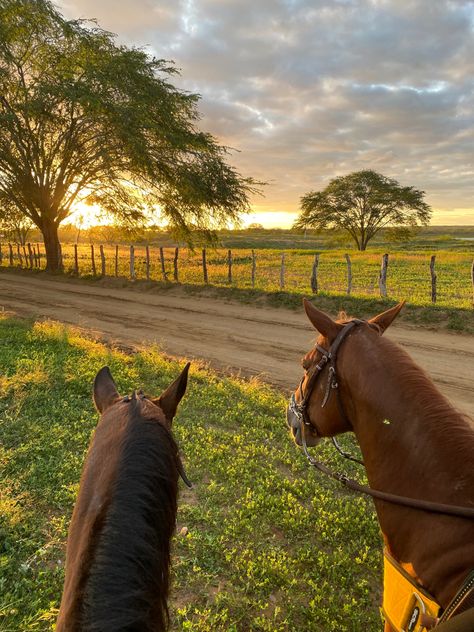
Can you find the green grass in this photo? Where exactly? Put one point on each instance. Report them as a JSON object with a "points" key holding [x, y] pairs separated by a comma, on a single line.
{"points": [[426, 238], [270, 546]]}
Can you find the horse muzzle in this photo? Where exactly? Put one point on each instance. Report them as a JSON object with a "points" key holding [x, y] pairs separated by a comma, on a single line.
{"points": [[296, 425]]}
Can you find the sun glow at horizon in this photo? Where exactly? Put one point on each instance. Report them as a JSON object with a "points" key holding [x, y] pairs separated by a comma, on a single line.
{"points": [[86, 216]]}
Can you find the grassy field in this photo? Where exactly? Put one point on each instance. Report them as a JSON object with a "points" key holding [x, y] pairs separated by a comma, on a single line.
{"points": [[270, 546], [427, 238], [408, 271]]}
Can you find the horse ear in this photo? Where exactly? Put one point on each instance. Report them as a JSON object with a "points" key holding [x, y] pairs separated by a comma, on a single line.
{"points": [[169, 399], [385, 319], [321, 321], [105, 391]]}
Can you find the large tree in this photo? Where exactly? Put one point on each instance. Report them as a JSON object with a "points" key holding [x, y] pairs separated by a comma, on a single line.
{"points": [[83, 118], [362, 203]]}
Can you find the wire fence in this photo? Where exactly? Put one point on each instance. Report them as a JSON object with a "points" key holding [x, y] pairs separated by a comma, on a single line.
{"points": [[446, 278]]}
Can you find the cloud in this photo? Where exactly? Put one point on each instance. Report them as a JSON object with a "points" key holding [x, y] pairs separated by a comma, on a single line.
{"points": [[310, 89]]}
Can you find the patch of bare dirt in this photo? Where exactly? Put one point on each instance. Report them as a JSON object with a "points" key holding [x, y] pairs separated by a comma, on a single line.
{"points": [[231, 336]]}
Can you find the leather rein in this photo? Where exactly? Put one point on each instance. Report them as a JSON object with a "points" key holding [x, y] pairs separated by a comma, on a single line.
{"points": [[300, 410]]}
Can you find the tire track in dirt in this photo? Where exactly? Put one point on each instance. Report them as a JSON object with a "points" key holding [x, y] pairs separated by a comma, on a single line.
{"points": [[231, 336]]}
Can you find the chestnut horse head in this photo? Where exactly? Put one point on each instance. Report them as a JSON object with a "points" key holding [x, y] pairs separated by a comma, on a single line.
{"points": [[414, 442], [118, 549]]}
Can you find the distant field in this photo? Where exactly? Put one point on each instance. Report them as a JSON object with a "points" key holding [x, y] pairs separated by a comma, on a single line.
{"points": [[271, 546], [430, 238]]}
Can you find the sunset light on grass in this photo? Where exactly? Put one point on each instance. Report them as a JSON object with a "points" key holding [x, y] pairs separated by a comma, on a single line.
{"points": [[210, 213]]}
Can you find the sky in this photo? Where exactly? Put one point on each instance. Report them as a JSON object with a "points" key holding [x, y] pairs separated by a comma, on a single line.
{"points": [[307, 90]]}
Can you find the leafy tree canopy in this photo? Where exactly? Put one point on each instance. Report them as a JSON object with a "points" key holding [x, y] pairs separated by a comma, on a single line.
{"points": [[14, 225], [82, 118], [362, 203]]}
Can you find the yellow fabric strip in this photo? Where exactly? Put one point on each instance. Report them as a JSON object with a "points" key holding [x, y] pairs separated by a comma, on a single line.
{"points": [[403, 600]]}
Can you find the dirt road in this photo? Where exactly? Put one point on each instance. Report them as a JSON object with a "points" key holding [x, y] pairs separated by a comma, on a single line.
{"points": [[231, 336]]}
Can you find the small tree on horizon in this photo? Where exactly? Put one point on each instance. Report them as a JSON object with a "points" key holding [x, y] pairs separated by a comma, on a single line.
{"points": [[362, 203], [83, 118]]}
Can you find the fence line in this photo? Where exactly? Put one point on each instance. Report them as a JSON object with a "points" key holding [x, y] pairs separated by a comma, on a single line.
{"points": [[250, 271]]}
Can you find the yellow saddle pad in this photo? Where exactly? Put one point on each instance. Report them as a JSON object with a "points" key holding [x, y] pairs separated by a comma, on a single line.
{"points": [[404, 602]]}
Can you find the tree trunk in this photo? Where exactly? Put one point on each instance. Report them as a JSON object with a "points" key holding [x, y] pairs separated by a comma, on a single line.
{"points": [[51, 244]]}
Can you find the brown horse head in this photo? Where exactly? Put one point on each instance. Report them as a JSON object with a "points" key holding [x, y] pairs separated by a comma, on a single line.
{"points": [[323, 411], [414, 443], [118, 550]]}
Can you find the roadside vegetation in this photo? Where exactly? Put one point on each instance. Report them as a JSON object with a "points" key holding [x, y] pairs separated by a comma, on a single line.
{"points": [[408, 275], [263, 543], [408, 278]]}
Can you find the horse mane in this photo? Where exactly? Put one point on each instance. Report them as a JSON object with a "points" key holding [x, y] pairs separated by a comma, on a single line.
{"points": [[437, 410], [128, 579]]}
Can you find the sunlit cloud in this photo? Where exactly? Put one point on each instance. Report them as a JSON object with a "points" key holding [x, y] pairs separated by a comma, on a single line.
{"points": [[307, 90]]}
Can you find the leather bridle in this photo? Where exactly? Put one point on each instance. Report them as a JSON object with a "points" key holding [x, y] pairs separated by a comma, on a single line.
{"points": [[328, 358], [300, 410]]}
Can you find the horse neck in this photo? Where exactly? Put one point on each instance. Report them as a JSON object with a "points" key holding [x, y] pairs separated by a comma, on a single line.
{"points": [[414, 444], [127, 583], [400, 418]]}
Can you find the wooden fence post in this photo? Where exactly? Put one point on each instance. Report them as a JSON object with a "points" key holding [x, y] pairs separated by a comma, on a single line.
{"points": [[229, 266], [102, 260], [25, 255], [314, 275], [162, 260], [20, 259], [349, 273], [147, 251], [433, 278], [37, 258], [76, 261], [116, 260], [204, 266], [60, 257], [1, 254], [10, 250], [175, 264], [39, 255], [132, 262], [30, 255], [254, 265], [383, 275], [282, 271], [94, 271], [472, 280]]}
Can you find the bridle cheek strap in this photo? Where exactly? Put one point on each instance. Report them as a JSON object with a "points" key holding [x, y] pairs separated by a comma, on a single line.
{"points": [[328, 357]]}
